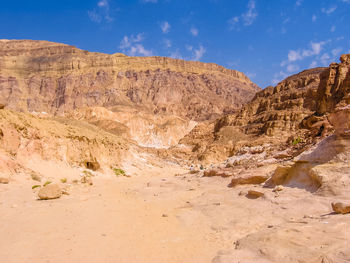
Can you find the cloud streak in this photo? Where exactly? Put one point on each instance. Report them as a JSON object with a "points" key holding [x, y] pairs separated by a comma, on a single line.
{"points": [[101, 13], [247, 18], [165, 27], [132, 46]]}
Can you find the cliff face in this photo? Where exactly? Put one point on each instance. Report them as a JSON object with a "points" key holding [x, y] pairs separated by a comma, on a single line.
{"points": [[55, 78], [287, 117], [335, 86]]}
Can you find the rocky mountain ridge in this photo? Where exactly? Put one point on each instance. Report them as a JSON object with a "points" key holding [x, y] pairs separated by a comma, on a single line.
{"points": [[285, 118], [49, 77]]}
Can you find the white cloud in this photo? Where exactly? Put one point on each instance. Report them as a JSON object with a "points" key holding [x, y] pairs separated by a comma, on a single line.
{"points": [[176, 54], [251, 14], [298, 2], [251, 75], [336, 51], [132, 46], [150, 1], [329, 10], [247, 18], [292, 68], [189, 48], [103, 3], [314, 18], [167, 43], [325, 59], [313, 64], [198, 53], [165, 27], [333, 28], [295, 55], [101, 12], [278, 77], [233, 21], [194, 31], [346, 1]]}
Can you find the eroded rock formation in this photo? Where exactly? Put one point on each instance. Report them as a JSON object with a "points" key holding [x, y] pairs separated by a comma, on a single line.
{"points": [[50, 77], [280, 122]]}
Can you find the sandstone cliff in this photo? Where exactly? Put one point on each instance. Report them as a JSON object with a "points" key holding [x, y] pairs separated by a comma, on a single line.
{"points": [[286, 118], [49, 77]]}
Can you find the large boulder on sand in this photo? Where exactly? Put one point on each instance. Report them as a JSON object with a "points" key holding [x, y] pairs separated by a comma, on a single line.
{"points": [[50, 191]]}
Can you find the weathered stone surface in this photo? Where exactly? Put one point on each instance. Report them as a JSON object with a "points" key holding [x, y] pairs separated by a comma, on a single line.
{"points": [[341, 208], [50, 77], [50, 191], [2, 106]]}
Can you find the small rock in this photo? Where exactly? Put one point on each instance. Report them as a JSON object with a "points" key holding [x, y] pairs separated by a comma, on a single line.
{"points": [[252, 194], [4, 180], [50, 191], [164, 215], [278, 188], [242, 193], [341, 208], [86, 180], [2, 106], [65, 192], [36, 177]]}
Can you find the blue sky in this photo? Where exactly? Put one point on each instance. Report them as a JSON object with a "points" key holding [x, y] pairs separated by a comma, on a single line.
{"points": [[267, 40]]}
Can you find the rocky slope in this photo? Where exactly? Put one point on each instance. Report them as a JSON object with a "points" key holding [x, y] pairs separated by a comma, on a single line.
{"points": [[279, 121], [50, 77]]}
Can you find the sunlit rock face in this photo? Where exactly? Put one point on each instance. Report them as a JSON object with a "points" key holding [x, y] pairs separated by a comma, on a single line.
{"points": [[44, 76]]}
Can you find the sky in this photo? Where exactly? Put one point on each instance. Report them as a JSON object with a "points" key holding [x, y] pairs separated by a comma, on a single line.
{"points": [[267, 40]]}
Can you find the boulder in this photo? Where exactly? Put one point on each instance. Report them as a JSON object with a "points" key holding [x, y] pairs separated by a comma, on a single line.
{"points": [[341, 208], [218, 172], [254, 179], [252, 194], [50, 191]]}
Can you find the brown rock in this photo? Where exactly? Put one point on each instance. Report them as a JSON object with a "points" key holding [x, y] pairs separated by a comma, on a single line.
{"points": [[341, 208], [2, 106], [4, 180], [218, 172], [253, 194], [50, 191], [258, 179]]}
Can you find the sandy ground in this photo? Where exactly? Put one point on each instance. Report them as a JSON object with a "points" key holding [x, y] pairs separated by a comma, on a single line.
{"points": [[163, 217]]}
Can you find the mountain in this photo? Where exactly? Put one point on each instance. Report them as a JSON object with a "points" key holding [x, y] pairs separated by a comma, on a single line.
{"points": [[55, 78], [286, 117]]}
